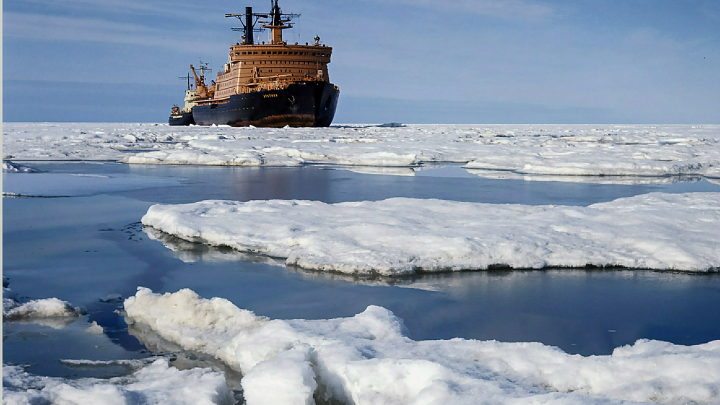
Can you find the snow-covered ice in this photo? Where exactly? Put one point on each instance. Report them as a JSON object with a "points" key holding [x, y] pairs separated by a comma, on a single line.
{"points": [[95, 329], [156, 383], [568, 150], [404, 236], [368, 359], [42, 308], [11, 167]]}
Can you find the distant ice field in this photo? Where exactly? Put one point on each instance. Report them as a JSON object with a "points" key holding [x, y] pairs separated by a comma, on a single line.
{"points": [[572, 151]]}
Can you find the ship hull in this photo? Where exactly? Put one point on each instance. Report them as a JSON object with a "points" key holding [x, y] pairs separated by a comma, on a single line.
{"points": [[304, 104], [185, 118]]}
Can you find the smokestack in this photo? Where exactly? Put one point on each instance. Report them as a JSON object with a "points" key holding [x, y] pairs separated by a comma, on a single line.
{"points": [[248, 26]]}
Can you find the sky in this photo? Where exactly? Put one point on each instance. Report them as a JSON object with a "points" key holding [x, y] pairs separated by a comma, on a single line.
{"points": [[411, 61]]}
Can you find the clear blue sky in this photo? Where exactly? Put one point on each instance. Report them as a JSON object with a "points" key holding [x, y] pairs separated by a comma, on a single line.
{"points": [[413, 61]]}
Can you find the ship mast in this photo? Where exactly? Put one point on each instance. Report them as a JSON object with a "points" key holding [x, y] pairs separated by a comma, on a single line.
{"points": [[276, 23], [188, 77]]}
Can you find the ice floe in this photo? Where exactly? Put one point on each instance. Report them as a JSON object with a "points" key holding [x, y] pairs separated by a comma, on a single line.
{"points": [[95, 329], [565, 150], [11, 167], [42, 308], [368, 359], [51, 312], [405, 236], [156, 383]]}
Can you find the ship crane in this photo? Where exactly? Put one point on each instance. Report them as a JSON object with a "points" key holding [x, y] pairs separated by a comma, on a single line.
{"points": [[200, 87]]}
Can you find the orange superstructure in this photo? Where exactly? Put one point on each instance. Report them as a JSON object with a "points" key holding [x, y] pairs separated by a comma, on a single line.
{"points": [[257, 67]]}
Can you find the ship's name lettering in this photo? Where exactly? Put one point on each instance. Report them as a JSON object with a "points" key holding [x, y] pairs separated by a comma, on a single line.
{"points": [[269, 95]]}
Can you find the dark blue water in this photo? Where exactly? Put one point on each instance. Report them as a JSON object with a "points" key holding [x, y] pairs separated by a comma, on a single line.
{"points": [[81, 249]]}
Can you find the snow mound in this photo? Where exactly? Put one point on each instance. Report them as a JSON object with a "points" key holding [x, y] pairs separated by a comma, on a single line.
{"points": [[405, 236], [95, 329], [157, 383], [43, 308], [368, 359]]}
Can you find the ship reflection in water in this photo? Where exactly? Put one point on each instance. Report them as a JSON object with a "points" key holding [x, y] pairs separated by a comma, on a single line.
{"points": [[266, 85]]}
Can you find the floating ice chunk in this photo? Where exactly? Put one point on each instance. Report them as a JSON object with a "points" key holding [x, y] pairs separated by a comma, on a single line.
{"points": [[12, 167], [112, 298], [178, 326], [385, 171], [620, 180], [9, 300], [368, 359], [157, 383], [196, 157], [404, 236], [95, 329], [387, 159], [43, 308]]}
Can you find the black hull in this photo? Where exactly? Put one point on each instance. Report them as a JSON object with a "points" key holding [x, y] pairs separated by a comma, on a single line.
{"points": [[305, 104], [184, 119]]}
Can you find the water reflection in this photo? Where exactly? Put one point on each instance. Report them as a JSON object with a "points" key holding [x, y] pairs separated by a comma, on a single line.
{"points": [[191, 252]]}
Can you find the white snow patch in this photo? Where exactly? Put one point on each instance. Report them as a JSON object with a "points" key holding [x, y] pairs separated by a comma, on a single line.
{"points": [[95, 329], [367, 359], [404, 236], [157, 383], [42, 308]]}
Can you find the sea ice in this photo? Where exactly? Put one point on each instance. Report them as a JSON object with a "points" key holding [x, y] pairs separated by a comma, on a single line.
{"points": [[565, 150], [11, 167], [42, 308], [95, 329], [404, 236], [368, 359], [156, 383]]}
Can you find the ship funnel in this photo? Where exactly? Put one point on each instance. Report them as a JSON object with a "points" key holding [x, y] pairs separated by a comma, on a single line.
{"points": [[248, 26]]}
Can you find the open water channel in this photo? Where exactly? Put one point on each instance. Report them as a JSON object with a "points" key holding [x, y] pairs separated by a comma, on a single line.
{"points": [[90, 248]]}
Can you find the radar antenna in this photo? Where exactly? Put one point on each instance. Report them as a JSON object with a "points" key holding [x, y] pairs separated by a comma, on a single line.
{"points": [[248, 25], [277, 23], [188, 77]]}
